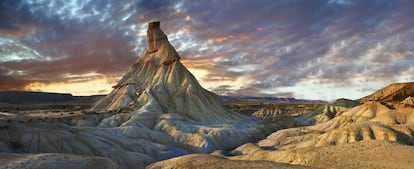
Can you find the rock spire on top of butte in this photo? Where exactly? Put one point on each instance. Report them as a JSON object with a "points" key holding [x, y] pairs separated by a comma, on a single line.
{"points": [[157, 41]]}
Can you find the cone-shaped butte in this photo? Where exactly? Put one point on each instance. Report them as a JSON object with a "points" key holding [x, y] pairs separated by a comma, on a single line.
{"points": [[160, 93], [158, 74]]}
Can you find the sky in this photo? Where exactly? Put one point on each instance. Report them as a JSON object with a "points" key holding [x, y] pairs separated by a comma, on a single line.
{"points": [[307, 49]]}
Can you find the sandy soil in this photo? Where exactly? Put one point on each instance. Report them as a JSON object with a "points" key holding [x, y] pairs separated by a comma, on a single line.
{"points": [[204, 161], [364, 154]]}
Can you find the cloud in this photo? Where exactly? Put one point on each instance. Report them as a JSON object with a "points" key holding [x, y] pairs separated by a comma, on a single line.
{"points": [[257, 48]]}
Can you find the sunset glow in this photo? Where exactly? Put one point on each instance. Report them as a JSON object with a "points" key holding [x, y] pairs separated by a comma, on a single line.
{"points": [[266, 48]]}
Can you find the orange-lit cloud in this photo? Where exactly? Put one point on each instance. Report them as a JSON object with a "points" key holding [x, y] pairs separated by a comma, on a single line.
{"points": [[78, 88], [222, 39], [187, 18]]}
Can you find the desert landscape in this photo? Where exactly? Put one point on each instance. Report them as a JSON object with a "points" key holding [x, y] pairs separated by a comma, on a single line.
{"points": [[159, 115], [158, 111]]}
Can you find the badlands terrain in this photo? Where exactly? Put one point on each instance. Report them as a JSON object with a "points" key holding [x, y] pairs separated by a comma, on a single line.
{"points": [[159, 116]]}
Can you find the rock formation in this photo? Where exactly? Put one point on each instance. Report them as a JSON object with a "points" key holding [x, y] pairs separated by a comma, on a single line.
{"points": [[159, 77], [333, 128], [269, 113], [393, 92], [156, 111], [344, 134], [409, 101]]}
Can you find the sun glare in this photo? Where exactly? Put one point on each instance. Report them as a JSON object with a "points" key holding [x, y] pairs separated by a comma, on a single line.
{"points": [[93, 87]]}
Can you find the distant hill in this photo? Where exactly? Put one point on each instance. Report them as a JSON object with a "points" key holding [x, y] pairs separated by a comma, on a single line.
{"points": [[394, 92], [276, 99], [27, 97]]}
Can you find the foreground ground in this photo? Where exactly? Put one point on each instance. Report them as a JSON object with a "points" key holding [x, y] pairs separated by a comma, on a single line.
{"points": [[376, 152]]}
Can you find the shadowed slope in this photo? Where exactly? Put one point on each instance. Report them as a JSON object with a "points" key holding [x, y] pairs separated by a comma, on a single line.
{"points": [[53, 161]]}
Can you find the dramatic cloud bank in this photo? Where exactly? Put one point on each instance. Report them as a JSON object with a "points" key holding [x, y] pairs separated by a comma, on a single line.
{"points": [[285, 48]]}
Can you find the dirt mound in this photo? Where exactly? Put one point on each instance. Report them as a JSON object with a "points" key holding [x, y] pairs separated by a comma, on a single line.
{"points": [[365, 154], [204, 161]]}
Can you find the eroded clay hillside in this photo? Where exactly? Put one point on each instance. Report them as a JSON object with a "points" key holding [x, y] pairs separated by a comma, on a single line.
{"points": [[345, 134], [394, 92]]}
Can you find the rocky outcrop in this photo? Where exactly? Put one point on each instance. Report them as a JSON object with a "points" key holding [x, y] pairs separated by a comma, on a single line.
{"points": [[394, 92], [408, 101], [159, 77], [269, 113]]}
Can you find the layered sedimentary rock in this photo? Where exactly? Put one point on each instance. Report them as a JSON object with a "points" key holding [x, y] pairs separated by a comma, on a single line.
{"points": [[158, 77], [408, 101], [344, 134], [394, 92], [357, 129]]}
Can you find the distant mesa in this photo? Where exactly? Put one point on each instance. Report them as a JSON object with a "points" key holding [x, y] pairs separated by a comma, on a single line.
{"points": [[348, 103], [395, 92], [28, 97], [276, 99]]}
